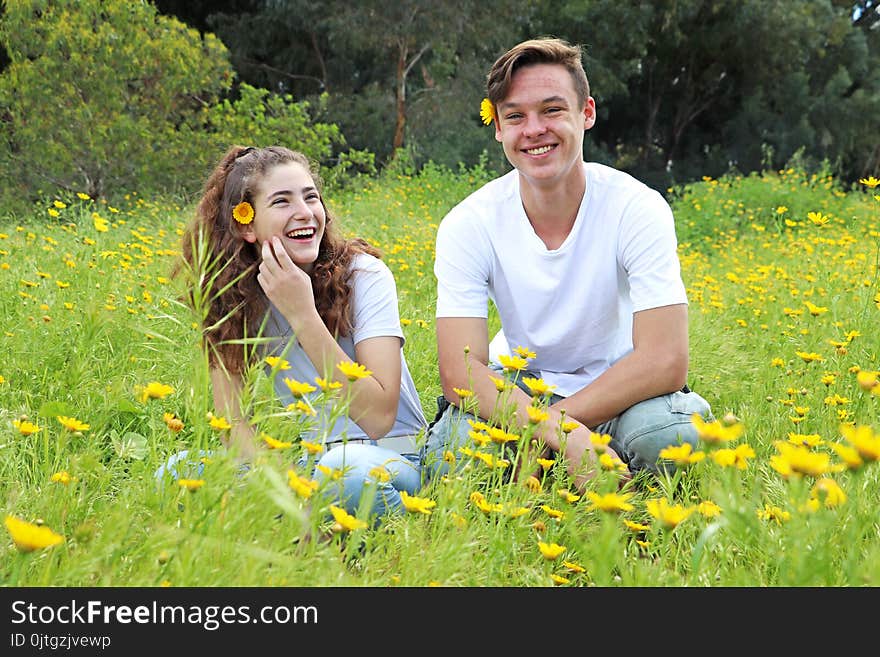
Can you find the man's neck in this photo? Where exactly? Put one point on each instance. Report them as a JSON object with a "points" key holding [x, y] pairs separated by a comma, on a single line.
{"points": [[552, 209]]}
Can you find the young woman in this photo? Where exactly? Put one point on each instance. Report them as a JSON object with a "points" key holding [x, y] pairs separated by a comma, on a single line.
{"points": [[321, 300]]}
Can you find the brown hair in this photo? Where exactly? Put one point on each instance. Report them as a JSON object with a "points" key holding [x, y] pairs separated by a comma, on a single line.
{"points": [[537, 51], [224, 267]]}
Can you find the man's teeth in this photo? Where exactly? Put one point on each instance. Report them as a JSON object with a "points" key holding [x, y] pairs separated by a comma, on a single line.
{"points": [[538, 151], [301, 232]]}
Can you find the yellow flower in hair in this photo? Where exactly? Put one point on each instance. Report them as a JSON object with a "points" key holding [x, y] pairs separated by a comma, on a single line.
{"points": [[487, 111], [243, 213]]}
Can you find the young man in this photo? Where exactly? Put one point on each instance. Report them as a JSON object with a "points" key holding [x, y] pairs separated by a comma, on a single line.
{"points": [[581, 262]]}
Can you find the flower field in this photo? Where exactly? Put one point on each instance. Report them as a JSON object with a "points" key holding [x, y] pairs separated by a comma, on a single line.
{"points": [[101, 378]]}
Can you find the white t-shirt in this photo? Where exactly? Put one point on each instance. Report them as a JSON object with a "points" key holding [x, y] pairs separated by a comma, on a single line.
{"points": [[374, 313], [572, 305]]}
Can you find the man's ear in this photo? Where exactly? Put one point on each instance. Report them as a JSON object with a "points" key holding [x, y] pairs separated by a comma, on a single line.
{"points": [[589, 113]]}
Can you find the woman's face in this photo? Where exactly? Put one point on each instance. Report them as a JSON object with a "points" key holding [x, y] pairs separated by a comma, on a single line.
{"points": [[287, 204]]}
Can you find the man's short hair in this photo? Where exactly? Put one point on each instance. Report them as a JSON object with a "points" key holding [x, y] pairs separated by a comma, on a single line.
{"points": [[537, 51]]}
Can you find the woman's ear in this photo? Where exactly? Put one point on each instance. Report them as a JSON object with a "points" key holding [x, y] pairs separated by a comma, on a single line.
{"points": [[248, 234]]}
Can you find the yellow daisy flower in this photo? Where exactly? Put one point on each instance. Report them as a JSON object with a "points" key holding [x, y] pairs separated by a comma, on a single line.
{"points": [[192, 485], [345, 521], [353, 371], [417, 504], [29, 537], [487, 111], [243, 213], [72, 424], [550, 551]]}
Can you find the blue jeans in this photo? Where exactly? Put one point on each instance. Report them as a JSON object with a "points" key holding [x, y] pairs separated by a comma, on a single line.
{"points": [[637, 435], [353, 460]]}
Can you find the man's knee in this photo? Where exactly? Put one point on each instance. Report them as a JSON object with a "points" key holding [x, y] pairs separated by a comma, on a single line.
{"points": [[647, 428]]}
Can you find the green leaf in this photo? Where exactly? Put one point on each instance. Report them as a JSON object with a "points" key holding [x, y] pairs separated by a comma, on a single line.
{"points": [[53, 409], [130, 446]]}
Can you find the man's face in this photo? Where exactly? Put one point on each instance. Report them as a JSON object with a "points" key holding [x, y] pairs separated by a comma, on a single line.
{"points": [[541, 124]]}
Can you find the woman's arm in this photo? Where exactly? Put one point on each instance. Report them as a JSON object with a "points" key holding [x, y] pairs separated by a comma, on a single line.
{"points": [[373, 399], [227, 402]]}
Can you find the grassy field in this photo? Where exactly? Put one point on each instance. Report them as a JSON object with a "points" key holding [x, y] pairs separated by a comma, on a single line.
{"points": [[101, 378]]}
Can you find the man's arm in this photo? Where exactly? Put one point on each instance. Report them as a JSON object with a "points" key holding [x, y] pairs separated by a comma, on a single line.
{"points": [[657, 365], [467, 368]]}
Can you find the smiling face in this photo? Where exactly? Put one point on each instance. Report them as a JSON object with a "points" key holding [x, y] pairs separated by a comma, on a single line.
{"points": [[541, 125], [287, 204]]}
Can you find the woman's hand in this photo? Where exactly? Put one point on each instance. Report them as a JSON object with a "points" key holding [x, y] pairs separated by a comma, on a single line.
{"points": [[288, 287]]}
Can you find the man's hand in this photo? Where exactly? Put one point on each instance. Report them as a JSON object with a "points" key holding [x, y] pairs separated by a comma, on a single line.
{"points": [[581, 457]]}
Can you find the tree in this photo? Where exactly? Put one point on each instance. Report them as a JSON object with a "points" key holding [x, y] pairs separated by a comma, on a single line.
{"points": [[96, 89], [693, 87]]}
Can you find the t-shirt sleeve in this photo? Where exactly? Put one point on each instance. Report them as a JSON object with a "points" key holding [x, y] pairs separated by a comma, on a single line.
{"points": [[374, 304], [648, 252], [461, 267]]}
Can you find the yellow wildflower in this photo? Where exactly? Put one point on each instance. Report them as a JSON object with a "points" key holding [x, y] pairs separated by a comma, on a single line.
{"points": [[799, 460], [72, 424], [715, 432], [773, 513], [550, 551], [868, 379], [62, 477], [636, 526], [353, 371], [864, 440], [537, 415], [155, 390], [828, 492], [538, 387], [545, 464], [218, 423], [669, 515], [708, 509], [243, 213], [524, 352], [568, 496], [29, 537], [301, 485], [849, 455], [297, 388], [487, 111], [345, 521], [276, 444], [277, 363], [553, 513], [26, 428], [610, 502], [513, 363], [532, 484], [417, 504], [172, 422], [327, 385], [681, 454], [192, 485]]}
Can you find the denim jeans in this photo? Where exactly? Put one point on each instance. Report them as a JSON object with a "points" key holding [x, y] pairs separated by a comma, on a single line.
{"points": [[638, 434], [354, 462]]}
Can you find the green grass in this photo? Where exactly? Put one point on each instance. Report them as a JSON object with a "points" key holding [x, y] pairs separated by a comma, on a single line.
{"points": [[90, 317]]}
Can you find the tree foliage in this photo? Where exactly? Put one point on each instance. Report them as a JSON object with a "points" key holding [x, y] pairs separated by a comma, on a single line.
{"points": [[105, 97], [96, 90]]}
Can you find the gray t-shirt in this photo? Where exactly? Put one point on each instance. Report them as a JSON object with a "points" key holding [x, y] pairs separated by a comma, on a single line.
{"points": [[374, 313]]}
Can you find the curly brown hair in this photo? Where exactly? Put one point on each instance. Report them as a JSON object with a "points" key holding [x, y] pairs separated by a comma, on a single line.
{"points": [[223, 267]]}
